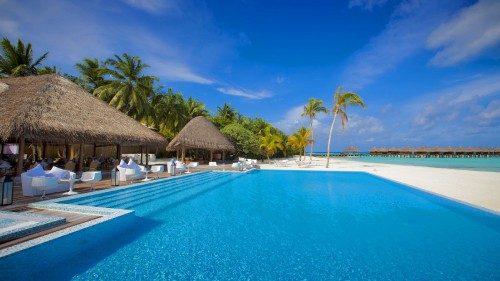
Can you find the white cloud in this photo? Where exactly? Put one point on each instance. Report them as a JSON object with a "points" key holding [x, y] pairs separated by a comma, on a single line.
{"points": [[178, 72], [403, 37], [9, 27], [471, 32], [454, 104], [386, 108], [292, 120], [487, 116], [363, 125], [153, 6], [366, 4], [255, 95]]}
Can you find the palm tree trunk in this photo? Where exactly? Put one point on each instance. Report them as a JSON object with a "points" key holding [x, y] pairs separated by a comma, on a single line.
{"points": [[329, 141], [312, 143]]}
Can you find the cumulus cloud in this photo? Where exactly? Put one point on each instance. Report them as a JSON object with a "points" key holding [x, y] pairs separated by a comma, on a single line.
{"points": [[470, 33], [487, 116], [255, 95]]}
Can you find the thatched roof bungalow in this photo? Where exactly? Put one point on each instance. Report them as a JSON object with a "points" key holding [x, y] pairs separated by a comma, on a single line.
{"points": [[200, 133], [52, 109]]}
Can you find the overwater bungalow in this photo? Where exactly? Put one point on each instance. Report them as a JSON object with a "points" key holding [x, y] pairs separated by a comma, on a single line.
{"points": [[436, 152]]}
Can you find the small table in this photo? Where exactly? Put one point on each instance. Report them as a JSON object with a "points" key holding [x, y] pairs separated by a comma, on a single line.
{"points": [[71, 186], [146, 171]]}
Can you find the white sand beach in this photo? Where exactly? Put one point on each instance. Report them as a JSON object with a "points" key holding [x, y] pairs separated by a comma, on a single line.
{"points": [[476, 188]]}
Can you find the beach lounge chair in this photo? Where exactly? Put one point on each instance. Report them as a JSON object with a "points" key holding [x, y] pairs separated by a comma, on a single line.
{"points": [[130, 171], [91, 177], [212, 164], [236, 165], [303, 164], [281, 163]]}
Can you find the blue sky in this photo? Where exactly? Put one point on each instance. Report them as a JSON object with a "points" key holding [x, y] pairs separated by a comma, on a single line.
{"points": [[429, 71]]}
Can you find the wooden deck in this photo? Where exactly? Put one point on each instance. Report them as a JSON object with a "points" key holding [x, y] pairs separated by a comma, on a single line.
{"points": [[20, 203]]}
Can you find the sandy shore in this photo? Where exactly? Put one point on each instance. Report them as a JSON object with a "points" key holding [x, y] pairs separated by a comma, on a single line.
{"points": [[476, 188]]}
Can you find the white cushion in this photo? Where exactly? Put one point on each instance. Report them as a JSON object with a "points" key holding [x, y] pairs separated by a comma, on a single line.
{"points": [[132, 164], [36, 172], [123, 164], [59, 173]]}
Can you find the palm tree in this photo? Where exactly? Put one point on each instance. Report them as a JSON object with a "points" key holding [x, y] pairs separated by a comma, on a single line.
{"points": [[195, 108], [340, 103], [314, 106], [129, 90], [92, 74], [300, 140], [18, 60], [225, 115], [270, 142]]}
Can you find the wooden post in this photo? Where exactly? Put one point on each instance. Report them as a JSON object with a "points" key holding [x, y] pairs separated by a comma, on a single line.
{"points": [[183, 158], [95, 148], [118, 151], [147, 155], [142, 155], [211, 155], [80, 159], [20, 157], [44, 151]]}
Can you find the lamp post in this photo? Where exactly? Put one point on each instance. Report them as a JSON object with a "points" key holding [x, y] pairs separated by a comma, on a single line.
{"points": [[115, 177], [6, 186]]}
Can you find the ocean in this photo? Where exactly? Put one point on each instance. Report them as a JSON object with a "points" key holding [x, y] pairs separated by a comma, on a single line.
{"points": [[474, 164]]}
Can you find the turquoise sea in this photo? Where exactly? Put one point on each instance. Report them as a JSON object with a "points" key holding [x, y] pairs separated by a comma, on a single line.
{"points": [[474, 164]]}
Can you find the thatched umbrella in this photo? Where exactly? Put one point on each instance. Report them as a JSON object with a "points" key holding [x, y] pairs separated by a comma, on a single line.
{"points": [[52, 109], [200, 133], [351, 149]]}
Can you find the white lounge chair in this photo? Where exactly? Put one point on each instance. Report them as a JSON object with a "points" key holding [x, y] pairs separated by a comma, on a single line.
{"points": [[212, 164], [192, 165], [91, 177], [303, 164], [157, 169]]}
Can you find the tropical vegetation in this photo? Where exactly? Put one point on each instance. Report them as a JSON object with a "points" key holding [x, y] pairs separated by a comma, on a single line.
{"points": [[121, 82]]}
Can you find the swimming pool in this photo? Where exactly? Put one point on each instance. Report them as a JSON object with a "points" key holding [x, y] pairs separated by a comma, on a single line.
{"points": [[286, 225]]}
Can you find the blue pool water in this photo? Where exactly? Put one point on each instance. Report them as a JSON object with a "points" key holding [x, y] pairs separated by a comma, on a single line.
{"points": [[286, 225], [474, 164]]}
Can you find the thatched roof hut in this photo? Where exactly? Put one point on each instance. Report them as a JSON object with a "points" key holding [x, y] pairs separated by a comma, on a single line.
{"points": [[200, 133], [52, 109], [351, 149]]}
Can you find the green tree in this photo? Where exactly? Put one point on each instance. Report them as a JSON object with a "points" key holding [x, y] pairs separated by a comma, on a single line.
{"points": [[18, 60], [48, 70], [300, 140], [91, 74], [129, 89], [270, 142], [246, 143], [310, 110], [340, 103], [195, 108], [225, 115]]}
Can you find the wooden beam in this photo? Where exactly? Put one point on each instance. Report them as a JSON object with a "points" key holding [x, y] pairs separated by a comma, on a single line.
{"points": [[80, 159]]}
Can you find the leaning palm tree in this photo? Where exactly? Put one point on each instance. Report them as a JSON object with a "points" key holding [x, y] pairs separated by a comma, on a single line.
{"points": [[270, 143], [311, 109], [18, 60], [340, 103]]}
